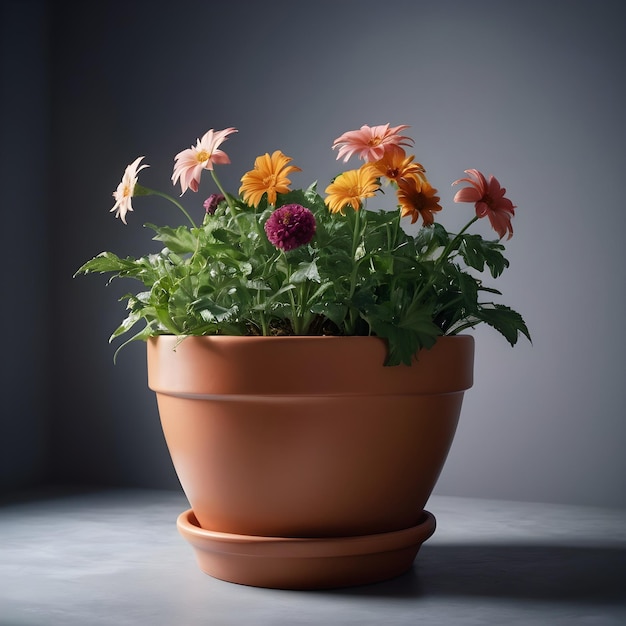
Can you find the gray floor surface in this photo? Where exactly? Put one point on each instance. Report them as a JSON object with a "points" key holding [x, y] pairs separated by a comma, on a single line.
{"points": [[116, 558]]}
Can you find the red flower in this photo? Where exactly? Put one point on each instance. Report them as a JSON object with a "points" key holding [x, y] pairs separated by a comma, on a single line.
{"points": [[290, 226], [210, 204], [489, 200]]}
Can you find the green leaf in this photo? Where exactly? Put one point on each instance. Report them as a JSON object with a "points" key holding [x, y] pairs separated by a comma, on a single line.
{"points": [[420, 322], [127, 324], [107, 262], [477, 252], [305, 271], [142, 335], [403, 343], [430, 238], [180, 240], [334, 311], [505, 320], [210, 311]]}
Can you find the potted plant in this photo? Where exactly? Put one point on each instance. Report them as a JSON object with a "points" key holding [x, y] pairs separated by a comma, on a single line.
{"points": [[306, 354]]}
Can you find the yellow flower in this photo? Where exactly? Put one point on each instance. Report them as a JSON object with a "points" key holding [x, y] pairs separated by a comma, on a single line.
{"points": [[350, 188], [268, 176]]}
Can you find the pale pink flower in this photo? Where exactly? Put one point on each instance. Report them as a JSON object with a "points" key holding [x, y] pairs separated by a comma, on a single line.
{"points": [[370, 142], [125, 190], [190, 163], [489, 200]]}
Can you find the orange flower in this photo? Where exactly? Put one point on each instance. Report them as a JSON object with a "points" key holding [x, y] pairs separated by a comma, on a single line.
{"points": [[396, 165], [418, 199], [350, 188], [268, 176]]}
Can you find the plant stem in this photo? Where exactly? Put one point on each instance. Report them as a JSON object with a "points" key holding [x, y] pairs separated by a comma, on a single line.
{"points": [[145, 191], [356, 240], [295, 316], [264, 327], [226, 196], [444, 255], [231, 205], [452, 242], [357, 232]]}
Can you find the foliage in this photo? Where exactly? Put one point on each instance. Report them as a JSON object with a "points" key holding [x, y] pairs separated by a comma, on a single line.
{"points": [[361, 273]]}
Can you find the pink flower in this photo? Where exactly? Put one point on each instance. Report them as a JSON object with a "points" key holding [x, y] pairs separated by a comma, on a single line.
{"points": [[124, 193], [489, 200], [290, 226], [370, 142], [190, 163]]}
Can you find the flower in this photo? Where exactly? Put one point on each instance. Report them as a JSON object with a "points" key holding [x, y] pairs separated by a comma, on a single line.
{"points": [[280, 261], [351, 188], [418, 199], [211, 203], [397, 166], [190, 163], [370, 142], [290, 227], [489, 200], [125, 190], [268, 176]]}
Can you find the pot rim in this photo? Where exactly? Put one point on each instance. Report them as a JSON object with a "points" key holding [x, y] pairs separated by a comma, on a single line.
{"points": [[218, 365]]}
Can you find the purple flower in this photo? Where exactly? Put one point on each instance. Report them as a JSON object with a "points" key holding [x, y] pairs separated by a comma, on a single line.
{"points": [[210, 204], [290, 226]]}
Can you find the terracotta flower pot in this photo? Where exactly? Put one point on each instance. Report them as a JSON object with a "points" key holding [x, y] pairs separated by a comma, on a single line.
{"points": [[306, 451]]}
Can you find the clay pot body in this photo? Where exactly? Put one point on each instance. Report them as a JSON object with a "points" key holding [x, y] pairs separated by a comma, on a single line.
{"points": [[306, 437]]}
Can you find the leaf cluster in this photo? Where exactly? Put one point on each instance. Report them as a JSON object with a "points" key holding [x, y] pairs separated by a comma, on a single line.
{"points": [[361, 274]]}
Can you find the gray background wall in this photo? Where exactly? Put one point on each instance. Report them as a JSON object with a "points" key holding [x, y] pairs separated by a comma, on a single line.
{"points": [[532, 92]]}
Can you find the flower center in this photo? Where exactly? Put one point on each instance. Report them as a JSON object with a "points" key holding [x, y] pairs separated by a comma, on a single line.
{"points": [[374, 141], [488, 200], [203, 156], [270, 180]]}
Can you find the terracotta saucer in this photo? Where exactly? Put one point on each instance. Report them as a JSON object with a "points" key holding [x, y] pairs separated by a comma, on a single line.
{"points": [[304, 563]]}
